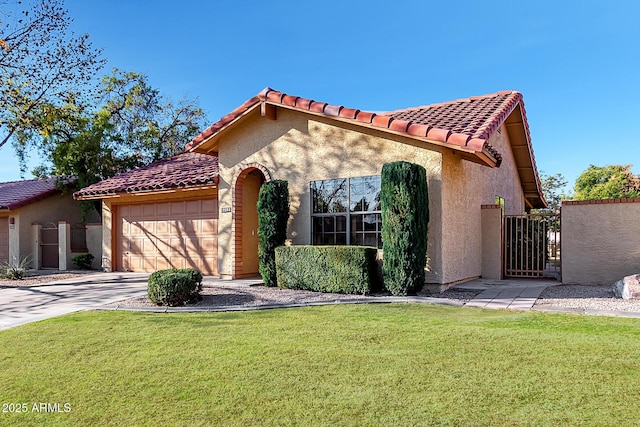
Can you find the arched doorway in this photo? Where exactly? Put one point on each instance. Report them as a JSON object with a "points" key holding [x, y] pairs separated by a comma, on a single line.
{"points": [[245, 219]]}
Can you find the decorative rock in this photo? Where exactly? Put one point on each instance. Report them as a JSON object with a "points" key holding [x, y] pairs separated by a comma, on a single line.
{"points": [[628, 288]]}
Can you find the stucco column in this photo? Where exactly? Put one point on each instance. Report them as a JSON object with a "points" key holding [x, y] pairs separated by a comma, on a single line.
{"points": [[35, 245], [491, 241], [64, 243]]}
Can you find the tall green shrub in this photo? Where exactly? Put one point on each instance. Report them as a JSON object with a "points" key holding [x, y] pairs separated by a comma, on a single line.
{"points": [[273, 214], [405, 216]]}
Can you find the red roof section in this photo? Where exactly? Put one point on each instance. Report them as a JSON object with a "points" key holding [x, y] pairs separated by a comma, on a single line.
{"points": [[16, 194], [463, 124], [180, 171]]}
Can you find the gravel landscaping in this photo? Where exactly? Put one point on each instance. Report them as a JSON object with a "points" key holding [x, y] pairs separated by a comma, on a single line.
{"points": [[39, 277], [575, 297], [585, 297]]}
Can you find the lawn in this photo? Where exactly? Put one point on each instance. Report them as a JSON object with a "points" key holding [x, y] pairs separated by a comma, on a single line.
{"points": [[399, 364]]}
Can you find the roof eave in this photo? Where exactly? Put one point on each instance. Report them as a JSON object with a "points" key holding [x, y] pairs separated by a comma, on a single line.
{"points": [[208, 144], [33, 199], [119, 194]]}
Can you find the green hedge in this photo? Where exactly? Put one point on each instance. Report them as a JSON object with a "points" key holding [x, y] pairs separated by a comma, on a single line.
{"points": [[273, 215], [341, 269], [174, 286], [83, 262], [405, 217]]}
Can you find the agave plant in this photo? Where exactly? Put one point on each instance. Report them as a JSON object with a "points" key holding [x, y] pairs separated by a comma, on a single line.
{"points": [[17, 269]]}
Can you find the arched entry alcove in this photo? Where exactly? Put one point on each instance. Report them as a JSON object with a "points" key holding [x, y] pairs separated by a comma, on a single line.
{"points": [[244, 228]]}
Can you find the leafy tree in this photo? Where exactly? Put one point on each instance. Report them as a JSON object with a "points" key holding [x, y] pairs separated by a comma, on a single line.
{"points": [[553, 187], [404, 201], [133, 126], [41, 63], [607, 182]]}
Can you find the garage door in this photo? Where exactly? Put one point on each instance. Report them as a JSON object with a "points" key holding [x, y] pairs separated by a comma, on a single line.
{"points": [[4, 241], [179, 234]]}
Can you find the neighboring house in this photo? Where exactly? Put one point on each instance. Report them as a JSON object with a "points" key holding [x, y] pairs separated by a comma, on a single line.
{"points": [[199, 208], [31, 214]]}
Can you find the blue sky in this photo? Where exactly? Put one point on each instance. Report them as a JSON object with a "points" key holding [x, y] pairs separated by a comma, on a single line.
{"points": [[576, 63]]}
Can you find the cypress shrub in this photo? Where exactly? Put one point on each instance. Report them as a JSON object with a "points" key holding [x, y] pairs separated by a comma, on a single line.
{"points": [[273, 214], [405, 217], [341, 269]]}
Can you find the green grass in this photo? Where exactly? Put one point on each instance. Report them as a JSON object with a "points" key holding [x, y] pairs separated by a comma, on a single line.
{"points": [[399, 364]]}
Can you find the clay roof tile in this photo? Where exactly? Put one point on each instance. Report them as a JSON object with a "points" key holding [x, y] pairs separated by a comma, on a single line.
{"points": [[179, 171], [16, 194]]}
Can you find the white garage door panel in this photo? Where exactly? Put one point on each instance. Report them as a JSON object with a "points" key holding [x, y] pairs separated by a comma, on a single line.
{"points": [[168, 235]]}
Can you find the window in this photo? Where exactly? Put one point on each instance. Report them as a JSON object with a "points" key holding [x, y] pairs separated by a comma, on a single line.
{"points": [[78, 238], [346, 211]]}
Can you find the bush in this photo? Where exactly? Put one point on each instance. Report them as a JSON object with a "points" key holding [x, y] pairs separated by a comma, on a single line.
{"points": [[83, 262], [174, 286], [341, 269], [405, 217], [16, 270], [273, 214]]}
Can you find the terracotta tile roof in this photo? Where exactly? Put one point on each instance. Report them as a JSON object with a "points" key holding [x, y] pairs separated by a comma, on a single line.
{"points": [[464, 125], [16, 194], [179, 171]]}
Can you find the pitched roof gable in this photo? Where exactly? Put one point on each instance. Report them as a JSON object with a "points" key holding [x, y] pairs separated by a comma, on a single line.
{"points": [[180, 171], [464, 125], [16, 194]]}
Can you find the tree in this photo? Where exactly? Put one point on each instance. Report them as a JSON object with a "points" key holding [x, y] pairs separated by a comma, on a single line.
{"points": [[607, 182], [553, 188], [41, 62], [404, 201], [133, 126], [273, 215]]}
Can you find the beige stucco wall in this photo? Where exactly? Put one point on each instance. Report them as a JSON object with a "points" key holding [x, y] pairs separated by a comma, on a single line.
{"points": [[466, 186], [301, 148], [52, 209], [94, 244], [600, 241]]}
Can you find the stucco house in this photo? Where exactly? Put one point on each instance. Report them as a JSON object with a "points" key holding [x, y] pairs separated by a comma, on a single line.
{"points": [[33, 215], [199, 208]]}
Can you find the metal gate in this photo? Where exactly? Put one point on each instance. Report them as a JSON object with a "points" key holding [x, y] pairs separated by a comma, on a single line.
{"points": [[532, 245], [49, 245]]}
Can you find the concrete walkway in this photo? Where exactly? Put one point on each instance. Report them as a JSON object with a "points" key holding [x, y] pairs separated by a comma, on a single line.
{"points": [[21, 305], [513, 294]]}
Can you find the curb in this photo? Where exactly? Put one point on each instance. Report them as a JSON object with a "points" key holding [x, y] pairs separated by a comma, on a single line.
{"points": [[216, 309]]}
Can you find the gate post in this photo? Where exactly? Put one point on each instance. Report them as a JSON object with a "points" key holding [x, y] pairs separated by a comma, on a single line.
{"points": [[491, 223], [35, 246], [64, 240]]}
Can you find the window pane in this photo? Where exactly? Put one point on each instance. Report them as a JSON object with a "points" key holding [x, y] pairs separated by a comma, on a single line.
{"points": [[341, 238], [371, 222], [341, 223], [357, 239], [329, 224], [356, 223], [328, 239], [364, 194], [329, 195], [371, 239], [317, 231]]}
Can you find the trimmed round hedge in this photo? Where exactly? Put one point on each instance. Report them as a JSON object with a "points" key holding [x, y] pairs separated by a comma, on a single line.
{"points": [[174, 286]]}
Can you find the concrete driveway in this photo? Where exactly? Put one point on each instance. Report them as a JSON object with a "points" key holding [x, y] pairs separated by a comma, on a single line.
{"points": [[20, 305]]}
